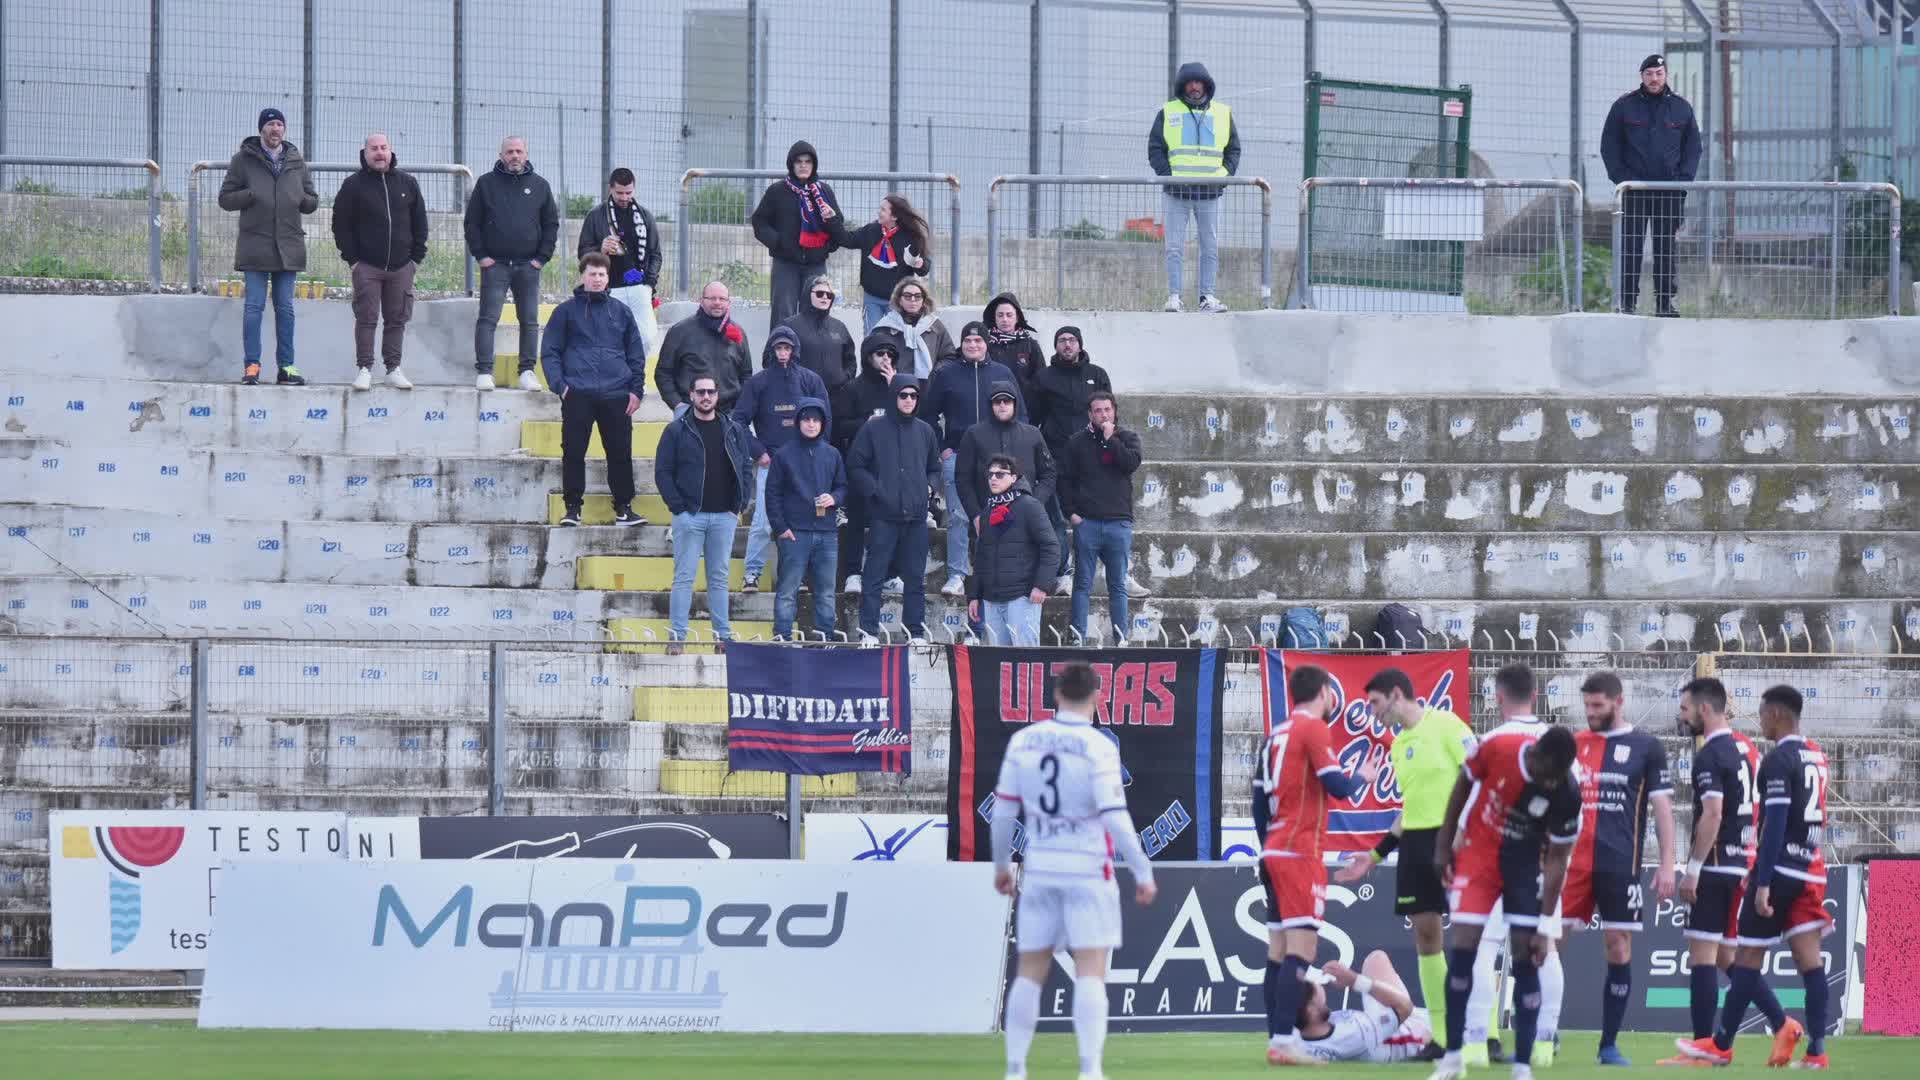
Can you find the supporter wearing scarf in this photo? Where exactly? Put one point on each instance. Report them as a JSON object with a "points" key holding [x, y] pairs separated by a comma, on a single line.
{"points": [[722, 325], [1000, 508], [814, 213]]}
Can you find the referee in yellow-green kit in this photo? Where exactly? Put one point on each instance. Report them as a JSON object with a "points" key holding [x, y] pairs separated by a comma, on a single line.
{"points": [[1428, 753]]}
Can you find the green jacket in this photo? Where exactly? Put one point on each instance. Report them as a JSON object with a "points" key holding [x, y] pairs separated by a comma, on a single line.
{"points": [[271, 235]]}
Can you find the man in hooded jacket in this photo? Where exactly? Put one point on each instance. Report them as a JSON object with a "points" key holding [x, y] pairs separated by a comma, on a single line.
{"points": [[825, 347], [768, 407], [1010, 338], [1193, 135], [806, 488], [894, 466], [958, 398], [1058, 397], [798, 221], [870, 397]]}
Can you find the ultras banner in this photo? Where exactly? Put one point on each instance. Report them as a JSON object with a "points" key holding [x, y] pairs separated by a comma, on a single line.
{"points": [[1439, 681], [1162, 707]]}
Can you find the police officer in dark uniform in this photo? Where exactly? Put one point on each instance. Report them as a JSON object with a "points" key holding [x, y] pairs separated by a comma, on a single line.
{"points": [[1650, 134]]}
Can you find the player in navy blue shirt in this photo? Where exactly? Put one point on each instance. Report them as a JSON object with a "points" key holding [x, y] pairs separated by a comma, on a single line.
{"points": [[1623, 772], [1787, 894]]}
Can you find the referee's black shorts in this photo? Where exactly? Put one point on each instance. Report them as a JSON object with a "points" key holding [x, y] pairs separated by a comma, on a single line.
{"points": [[1417, 886]]}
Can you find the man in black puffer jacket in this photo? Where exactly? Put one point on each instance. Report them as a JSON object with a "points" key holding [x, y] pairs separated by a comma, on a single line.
{"points": [[1650, 134], [1001, 433], [1013, 561], [798, 221], [825, 347], [870, 397], [893, 468], [512, 225], [380, 227]]}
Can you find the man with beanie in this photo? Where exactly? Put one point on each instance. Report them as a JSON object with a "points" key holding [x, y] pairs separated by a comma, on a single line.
{"points": [[1650, 134], [894, 464], [512, 226], [268, 184], [798, 221], [1096, 491], [805, 490], [623, 231], [1058, 395], [707, 342], [768, 407], [1001, 433], [1193, 135], [380, 227], [957, 398], [871, 397], [596, 361]]}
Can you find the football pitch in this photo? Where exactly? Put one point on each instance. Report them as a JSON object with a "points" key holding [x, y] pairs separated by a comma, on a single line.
{"points": [[86, 1050]]}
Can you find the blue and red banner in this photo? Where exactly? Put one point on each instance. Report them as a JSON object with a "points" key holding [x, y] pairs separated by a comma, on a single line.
{"points": [[1439, 681], [818, 711]]}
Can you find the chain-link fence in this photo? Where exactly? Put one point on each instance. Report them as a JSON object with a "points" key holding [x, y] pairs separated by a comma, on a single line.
{"points": [[1468, 246], [84, 219], [1758, 250]]}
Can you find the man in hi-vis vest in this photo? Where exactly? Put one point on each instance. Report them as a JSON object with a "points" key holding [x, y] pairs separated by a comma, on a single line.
{"points": [[1193, 135]]}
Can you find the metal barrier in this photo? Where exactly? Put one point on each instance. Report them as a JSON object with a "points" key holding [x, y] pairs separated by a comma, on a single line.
{"points": [[1486, 247], [718, 224], [54, 230], [449, 267], [1117, 252], [1760, 249]]}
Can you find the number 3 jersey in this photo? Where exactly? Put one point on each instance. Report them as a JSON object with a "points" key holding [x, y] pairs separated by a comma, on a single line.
{"points": [[1063, 774], [1793, 782]]}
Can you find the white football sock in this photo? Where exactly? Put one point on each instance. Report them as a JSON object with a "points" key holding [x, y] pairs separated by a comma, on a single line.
{"points": [[1023, 1012], [1089, 1020], [1482, 1003], [1553, 990]]}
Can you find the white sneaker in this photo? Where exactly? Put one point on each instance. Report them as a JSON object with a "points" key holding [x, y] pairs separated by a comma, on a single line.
{"points": [[1451, 1067], [916, 640], [1063, 586], [867, 640], [1173, 303], [956, 586], [852, 587], [1137, 590], [1211, 303], [483, 382], [398, 380], [894, 587], [530, 381], [363, 379]]}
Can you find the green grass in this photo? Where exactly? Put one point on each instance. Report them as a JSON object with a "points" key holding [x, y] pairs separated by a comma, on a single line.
{"points": [[166, 1051]]}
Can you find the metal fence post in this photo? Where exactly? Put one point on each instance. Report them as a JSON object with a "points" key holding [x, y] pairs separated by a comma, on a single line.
{"points": [[606, 90], [153, 225], [1173, 40], [1579, 247], [1303, 248], [193, 227], [1834, 254], [1835, 82], [497, 727], [197, 741], [1893, 250], [683, 258], [1576, 154], [893, 90], [310, 127], [466, 259], [1306, 38], [153, 79], [1266, 244], [459, 82], [993, 238], [953, 246], [795, 834], [1033, 117], [1619, 232], [1705, 113], [753, 83]]}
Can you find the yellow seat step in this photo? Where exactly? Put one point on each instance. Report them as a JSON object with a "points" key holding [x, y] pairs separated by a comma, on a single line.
{"points": [[631, 636], [677, 704], [598, 509], [541, 438], [510, 314], [506, 371], [710, 778], [644, 573]]}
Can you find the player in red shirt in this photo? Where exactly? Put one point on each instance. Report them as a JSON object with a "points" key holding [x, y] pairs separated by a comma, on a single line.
{"points": [[1297, 773], [1518, 794]]}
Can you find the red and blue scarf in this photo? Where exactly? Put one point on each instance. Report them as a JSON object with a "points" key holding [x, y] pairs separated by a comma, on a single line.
{"points": [[813, 218]]}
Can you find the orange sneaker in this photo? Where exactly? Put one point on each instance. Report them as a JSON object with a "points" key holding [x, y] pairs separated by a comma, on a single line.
{"points": [[1784, 1041], [1288, 1055], [1685, 1062], [1812, 1061], [251, 377], [1704, 1050]]}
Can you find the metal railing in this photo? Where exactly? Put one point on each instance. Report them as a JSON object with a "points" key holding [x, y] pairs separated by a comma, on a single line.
{"points": [[1441, 246], [48, 229], [448, 266], [1112, 255], [718, 225], [1759, 249]]}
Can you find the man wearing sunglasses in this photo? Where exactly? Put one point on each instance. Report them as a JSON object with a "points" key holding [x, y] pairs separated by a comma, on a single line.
{"points": [[704, 471], [1013, 565], [893, 467]]}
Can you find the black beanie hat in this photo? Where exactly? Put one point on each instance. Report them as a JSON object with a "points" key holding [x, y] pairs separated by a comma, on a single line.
{"points": [[1074, 330], [269, 113], [1654, 61]]}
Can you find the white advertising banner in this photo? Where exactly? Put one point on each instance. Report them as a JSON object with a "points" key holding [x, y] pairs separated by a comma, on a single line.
{"points": [[845, 838], [607, 945], [135, 889]]}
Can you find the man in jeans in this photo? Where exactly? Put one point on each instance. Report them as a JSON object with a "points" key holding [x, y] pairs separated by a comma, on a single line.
{"points": [[380, 227], [959, 396], [893, 466], [267, 182], [1013, 559], [1193, 135], [805, 490], [769, 408], [596, 361], [1096, 491], [512, 225], [705, 474]]}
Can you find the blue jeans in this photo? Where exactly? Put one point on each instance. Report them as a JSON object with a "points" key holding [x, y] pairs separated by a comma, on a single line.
{"points": [[759, 533], [1111, 543], [816, 557], [1206, 215], [903, 545], [1012, 622], [959, 529], [258, 282], [698, 537], [872, 310], [1058, 516]]}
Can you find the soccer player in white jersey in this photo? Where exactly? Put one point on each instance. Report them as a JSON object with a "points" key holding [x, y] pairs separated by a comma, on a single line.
{"points": [[1385, 1028], [1062, 778]]}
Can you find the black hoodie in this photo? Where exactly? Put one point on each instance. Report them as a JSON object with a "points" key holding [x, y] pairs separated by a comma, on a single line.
{"points": [[1058, 397], [1021, 442], [826, 348], [895, 462], [1157, 152], [378, 218], [1023, 355], [871, 394], [776, 221]]}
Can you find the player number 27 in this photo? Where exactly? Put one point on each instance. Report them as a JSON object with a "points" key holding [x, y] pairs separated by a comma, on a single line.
{"points": [[1050, 798], [1816, 778]]}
